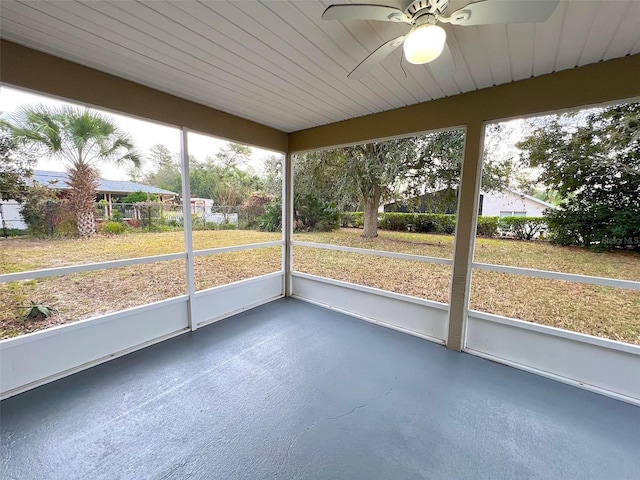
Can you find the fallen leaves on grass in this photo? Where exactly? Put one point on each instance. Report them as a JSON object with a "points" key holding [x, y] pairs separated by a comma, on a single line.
{"points": [[601, 311], [545, 256], [85, 295], [418, 279], [440, 246], [220, 269], [22, 254]]}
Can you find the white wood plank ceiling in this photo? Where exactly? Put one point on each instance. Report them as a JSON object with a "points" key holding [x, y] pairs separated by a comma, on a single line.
{"points": [[276, 62]]}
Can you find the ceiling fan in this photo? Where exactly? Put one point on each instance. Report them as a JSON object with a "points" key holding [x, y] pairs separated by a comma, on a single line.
{"points": [[426, 41]]}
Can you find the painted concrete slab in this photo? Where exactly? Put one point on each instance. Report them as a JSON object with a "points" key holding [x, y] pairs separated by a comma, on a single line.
{"points": [[292, 390]]}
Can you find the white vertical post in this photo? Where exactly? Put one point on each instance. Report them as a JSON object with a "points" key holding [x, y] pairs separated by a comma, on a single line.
{"points": [[287, 220], [470, 179], [186, 223]]}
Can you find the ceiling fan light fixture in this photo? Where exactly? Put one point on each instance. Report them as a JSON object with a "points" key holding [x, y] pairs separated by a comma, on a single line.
{"points": [[424, 44]]}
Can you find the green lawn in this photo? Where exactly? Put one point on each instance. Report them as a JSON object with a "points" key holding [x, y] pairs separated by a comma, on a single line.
{"points": [[607, 312]]}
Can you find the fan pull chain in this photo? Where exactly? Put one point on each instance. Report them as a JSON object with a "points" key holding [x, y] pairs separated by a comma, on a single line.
{"points": [[402, 67]]}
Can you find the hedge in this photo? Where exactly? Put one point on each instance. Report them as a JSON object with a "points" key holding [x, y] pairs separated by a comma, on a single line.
{"points": [[523, 228], [420, 222], [487, 226]]}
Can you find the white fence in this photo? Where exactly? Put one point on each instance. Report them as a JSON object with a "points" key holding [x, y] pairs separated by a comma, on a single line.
{"points": [[10, 217], [202, 215]]}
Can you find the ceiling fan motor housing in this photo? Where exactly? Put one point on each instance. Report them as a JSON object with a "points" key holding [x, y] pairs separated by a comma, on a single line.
{"points": [[417, 8]]}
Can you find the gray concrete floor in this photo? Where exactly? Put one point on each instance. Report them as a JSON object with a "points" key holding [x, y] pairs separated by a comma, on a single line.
{"points": [[291, 390]]}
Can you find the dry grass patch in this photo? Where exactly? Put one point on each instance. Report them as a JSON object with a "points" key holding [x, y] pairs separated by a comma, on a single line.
{"points": [[499, 251], [84, 295], [440, 246], [545, 256], [215, 270], [21, 254], [424, 280], [227, 238], [601, 311]]}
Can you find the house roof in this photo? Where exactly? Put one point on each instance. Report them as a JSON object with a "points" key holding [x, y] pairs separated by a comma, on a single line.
{"points": [[533, 199], [281, 65], [60, 181]]}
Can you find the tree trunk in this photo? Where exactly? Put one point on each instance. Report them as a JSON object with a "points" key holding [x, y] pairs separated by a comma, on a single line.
{"points": [[371, 204], [86, 223], [83, 180]]}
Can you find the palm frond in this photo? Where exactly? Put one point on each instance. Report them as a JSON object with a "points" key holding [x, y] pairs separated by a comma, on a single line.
{"points": [[37, 125]]}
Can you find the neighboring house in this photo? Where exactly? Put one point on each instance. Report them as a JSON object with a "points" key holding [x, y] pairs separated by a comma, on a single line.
{"points": [[108, 190], [509, 203], [506, 203], [443, 201], [202, 212], [203, 208]]}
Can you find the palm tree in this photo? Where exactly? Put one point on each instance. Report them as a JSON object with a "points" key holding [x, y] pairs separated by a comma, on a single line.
{"points": [[81, 139]]}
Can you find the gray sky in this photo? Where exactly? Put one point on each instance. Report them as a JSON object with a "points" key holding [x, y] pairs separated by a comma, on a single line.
{"points": [[145, 134]]}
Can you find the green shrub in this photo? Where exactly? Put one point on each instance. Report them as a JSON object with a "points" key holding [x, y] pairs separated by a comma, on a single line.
{"points": [[487, 226], [399, 222], [226, 226], [43, 213], [423, 223], [271, 219], [161, 228], [12, 232], [444, 223], [352, 219], [419, 222], [597, 228], [114, 228], [315, 214], [151, 214], [200, 226], [117, 215], [175, 223], [523, 228], [67, 225]]}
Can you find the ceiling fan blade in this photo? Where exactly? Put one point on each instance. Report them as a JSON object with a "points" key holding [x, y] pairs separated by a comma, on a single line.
{"points": [[365, 12], [376, 57], [488, 12], [443, 67]]}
